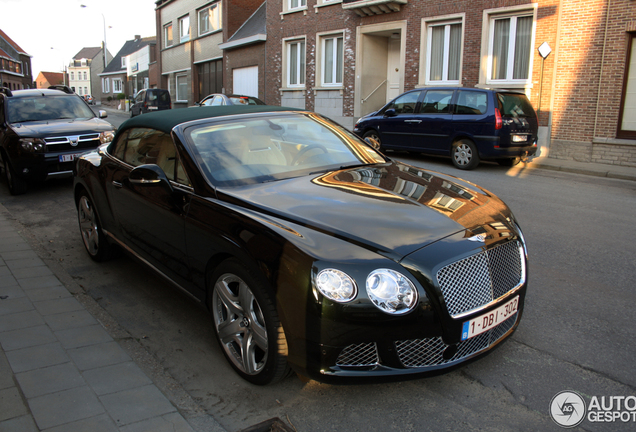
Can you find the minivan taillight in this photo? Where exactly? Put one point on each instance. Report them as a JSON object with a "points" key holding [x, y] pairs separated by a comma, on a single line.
{"points": [[498, 120]]}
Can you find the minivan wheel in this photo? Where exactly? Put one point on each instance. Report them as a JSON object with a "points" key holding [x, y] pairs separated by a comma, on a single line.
{"points": [[374, 135], [464, 155]]}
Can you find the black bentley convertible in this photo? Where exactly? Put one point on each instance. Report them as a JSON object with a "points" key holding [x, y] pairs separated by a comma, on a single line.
{"points": [[311, 250]]}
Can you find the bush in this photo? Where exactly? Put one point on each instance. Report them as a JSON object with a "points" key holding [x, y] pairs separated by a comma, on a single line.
{"points": [[121, 96], [110, 98]]}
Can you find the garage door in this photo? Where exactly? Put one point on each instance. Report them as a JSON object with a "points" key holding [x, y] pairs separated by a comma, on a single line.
{"points": [[246, 81]]}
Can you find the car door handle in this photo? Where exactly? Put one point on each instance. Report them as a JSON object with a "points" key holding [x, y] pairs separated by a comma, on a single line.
{"points": [[117, 184], [412, 121]]}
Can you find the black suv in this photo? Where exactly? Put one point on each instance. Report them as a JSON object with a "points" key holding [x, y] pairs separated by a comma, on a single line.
{"points": [[42, 131], [467, 124]]}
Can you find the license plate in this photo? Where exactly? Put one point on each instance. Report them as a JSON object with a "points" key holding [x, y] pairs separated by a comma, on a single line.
{"points": [[153, 108], [68, 157], [490, 319]]}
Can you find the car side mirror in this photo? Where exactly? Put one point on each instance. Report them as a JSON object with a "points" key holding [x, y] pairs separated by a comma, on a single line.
{"points": [[373, 143], [390, 112], [103, 114], [149, 175]]}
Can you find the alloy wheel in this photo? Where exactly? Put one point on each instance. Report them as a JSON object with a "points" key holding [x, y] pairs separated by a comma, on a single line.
{"points": [[240, 324]]}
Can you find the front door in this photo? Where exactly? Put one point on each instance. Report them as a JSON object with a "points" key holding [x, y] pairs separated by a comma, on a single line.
{"points": [[393, 69]]}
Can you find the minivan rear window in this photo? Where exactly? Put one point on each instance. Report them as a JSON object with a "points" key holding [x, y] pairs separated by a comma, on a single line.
{"points": [[162, 95], [515, 105]]}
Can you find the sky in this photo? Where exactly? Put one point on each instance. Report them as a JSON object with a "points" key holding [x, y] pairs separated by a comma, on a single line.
{"points": [[52, 32]]}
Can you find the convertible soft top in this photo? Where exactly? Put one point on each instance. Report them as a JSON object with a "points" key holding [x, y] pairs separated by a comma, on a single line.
{"points": [[166, 120]]}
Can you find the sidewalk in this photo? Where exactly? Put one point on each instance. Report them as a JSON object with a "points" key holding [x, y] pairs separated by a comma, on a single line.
{"points": [[61, 370], [586, 168]]}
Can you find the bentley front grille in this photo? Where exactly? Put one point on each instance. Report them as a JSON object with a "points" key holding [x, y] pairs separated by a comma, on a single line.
{"points": [[364, 354], [480, 279], [430, 351]]}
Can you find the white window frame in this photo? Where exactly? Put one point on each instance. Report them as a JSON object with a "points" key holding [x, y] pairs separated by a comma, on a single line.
{"points": [[117, 85], [300, 76], [288, 7], [72, 76], [321, 55], [124, 61], [179, 96], [217, 14], [166, 28], [488, 29], [105, 85], [321, 3], [183, 21], [85, 77], [427, 48]]}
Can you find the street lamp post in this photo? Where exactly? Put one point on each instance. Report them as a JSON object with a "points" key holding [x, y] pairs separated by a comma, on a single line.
{"points": [[104, 20]]}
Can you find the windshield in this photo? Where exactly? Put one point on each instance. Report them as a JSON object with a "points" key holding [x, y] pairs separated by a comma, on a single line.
{"points": [[42, 108], [252, 149]]}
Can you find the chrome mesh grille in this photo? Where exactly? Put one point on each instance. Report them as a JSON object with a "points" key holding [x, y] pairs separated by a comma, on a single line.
{"points": [[364, 354], [429, 352], [481, 278]]}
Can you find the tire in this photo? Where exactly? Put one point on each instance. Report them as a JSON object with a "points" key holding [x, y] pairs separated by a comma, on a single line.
{"points": [[464, 155], [93, 237], [17, 186], [509, 162], [373, 134], [246, 323]]}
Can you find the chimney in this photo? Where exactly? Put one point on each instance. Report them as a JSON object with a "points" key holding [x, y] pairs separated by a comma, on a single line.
{"points": [[137, 37]]}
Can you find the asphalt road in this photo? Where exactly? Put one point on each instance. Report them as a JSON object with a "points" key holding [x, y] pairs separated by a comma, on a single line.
{"points": [[577, 332]]}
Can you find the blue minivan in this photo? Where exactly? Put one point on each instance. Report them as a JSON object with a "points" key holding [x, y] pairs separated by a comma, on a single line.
{"points": [[465, 123]]}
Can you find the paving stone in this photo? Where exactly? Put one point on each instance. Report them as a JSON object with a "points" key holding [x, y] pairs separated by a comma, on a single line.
{"points": [[56, 306], [100, 423], [14, 245], [37, 357], [23, 338], [20, 320], [6, 374], [32, 272], [64, 407], [130, 406], [99, 355], [23, 423], [82, 336], [51, 379], [39, 282], [48, 293], [115, 378], [173, 422], [11, 292], [7, 280], [69, 320], [24, 263], [14, 305], [22, 254], [11, 403]]}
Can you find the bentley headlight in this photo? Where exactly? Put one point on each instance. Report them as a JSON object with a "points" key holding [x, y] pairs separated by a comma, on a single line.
{"points": [[391, 292], [33, 144], [336, 285], [106, 137]]}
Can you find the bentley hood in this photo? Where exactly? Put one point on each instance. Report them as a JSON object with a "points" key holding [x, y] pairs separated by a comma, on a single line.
{"points": [[393, 209]]}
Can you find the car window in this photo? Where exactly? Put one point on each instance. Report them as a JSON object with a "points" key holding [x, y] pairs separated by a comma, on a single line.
{"points": [[27, 109], [245, 100], [471, 102], [140, 97], [405, 104], [250, 150], [217, 101], [436, 102], [514, 105], [208, 101], [142, 146]]}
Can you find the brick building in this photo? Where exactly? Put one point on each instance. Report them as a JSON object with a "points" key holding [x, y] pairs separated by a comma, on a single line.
{"points": [[346, 58], [15, 65], [46, 79]]}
